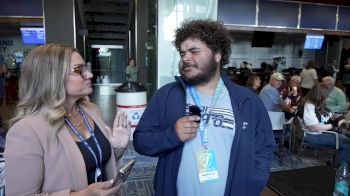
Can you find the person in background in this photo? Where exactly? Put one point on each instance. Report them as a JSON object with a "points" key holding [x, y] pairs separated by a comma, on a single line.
{"points": [[253, 83], [266, 70], [270, 95], [211, 136], [346, 78], [58, 143], [317, 117], [291, 94], [131, 71], [277, 66], [336, 100], [3, 72], [308, 76], [245, 72]]}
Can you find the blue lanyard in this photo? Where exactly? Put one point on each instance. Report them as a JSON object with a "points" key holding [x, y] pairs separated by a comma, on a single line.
{"points": [[202, 128], [98, 171]]}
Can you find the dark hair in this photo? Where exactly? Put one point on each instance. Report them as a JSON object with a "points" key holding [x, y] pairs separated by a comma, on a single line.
{"points": [[212, 33], [317, 96], [311, 64], [131, 59], [251, 80]]}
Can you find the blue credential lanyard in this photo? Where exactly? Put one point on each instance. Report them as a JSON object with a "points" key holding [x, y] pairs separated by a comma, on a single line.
{"points": [[98, 171], [202, 127]]}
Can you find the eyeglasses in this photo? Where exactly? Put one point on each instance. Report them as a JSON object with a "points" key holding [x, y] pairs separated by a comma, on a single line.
{"points": [[82, 70]]}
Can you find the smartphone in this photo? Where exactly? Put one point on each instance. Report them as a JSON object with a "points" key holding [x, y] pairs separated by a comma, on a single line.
{"points": [[124, 172], [195, 110]]}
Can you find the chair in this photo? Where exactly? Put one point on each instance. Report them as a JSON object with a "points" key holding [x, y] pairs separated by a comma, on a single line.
{"points": [[278, 126], [298, 130]]}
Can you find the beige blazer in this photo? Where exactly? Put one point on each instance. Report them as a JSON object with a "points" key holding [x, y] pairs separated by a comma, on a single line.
{"points": [[36, 165]]}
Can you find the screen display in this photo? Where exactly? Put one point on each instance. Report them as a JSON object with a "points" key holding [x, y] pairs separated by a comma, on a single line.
{"points": [[33, 35], [19, 56], [313, 41], [263, 39]]}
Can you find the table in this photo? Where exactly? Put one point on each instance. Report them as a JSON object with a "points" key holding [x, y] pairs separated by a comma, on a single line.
{"points": [[317, 180]]}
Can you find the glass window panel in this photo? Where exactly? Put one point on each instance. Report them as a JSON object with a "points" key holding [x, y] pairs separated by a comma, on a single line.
{"points": [[344, 18], [170, 16], [281, 14], [326, 16], [237, 11]]}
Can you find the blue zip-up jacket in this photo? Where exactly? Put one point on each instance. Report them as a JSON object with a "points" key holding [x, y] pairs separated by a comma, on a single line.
{"points": [[251, 151]]}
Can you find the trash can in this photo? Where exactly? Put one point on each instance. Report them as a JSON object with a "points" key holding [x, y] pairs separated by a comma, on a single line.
{"points": [[131, 98]]}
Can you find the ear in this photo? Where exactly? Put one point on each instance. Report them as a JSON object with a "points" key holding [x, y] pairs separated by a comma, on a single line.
{"points": [[218, 57]]}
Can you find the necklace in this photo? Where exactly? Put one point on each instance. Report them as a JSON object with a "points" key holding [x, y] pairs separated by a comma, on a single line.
{"points": [[98, 162], [77, 124], [72, 114]]}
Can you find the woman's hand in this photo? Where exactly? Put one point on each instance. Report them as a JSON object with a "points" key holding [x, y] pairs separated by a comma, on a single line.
{"points": [[100, 188], [119, 136]]}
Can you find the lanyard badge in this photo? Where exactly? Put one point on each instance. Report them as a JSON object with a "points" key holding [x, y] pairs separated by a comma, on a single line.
{"points": [[206, 165], [206, 162], [98, 172]]}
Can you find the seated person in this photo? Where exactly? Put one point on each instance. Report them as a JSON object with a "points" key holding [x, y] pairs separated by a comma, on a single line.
{"points": [[270, 95], [317, 117], [253, 83], [336, 100], [291, 94]]}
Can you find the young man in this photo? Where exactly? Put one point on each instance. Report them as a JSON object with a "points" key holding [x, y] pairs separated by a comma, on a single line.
{"points": [[229, 148]]}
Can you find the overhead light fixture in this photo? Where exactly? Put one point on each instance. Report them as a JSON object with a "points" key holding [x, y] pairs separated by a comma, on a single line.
{"points": [[108, 46]]}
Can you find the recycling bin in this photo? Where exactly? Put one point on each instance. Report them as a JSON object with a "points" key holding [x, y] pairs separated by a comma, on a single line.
{"points": [[131, 98]]}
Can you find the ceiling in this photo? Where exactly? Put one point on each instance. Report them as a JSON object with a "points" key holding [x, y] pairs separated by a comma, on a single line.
{"points": [[106, 21], [103, 21], [332, 2]]}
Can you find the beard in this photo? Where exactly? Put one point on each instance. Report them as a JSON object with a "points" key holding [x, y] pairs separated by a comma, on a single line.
{"points": [[207, 72]]}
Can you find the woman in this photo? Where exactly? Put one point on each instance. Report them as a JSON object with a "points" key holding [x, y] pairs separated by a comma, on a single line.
{"points": [[253, 83], [308, 76], [58, 143], [291, 94], [131, 71], [317, 117]]}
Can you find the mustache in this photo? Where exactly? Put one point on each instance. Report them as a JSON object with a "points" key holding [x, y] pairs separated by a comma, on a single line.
{"points": [[188, 64]]}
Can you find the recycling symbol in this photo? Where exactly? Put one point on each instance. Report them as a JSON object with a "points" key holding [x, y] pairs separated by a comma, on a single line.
{"points": [[135, 115]]}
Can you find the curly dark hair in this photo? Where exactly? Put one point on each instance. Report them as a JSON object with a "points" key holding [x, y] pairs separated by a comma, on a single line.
{"points": [[212, 33]]}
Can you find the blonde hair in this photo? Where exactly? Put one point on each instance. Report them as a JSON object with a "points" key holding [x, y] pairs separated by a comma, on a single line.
{"points": [[42, 83], [296, 79]]}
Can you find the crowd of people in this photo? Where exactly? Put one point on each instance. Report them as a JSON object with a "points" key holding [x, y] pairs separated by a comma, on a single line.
{"points": [[319, 103], [211, 136]]}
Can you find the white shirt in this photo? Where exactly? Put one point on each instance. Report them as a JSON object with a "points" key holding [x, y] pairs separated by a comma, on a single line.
{"points": [[310, 117], [308, 77]]}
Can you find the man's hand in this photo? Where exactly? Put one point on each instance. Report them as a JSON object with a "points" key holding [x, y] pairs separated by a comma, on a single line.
{"points": [[186, 127]]}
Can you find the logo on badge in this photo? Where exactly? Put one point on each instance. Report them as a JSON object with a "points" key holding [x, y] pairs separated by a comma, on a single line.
{"points": [[206, 160]]}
